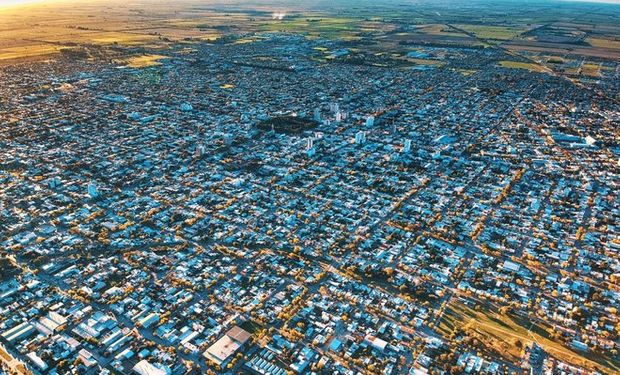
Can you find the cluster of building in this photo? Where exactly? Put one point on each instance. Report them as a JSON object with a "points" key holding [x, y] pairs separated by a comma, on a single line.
{"points": [[150, 226]]}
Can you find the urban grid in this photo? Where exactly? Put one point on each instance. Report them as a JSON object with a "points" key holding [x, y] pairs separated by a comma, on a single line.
{"points": [[278, 202]]}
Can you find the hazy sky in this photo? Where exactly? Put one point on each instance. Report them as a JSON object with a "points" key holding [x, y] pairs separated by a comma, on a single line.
{"points": [[11, 2], [17, 2]]}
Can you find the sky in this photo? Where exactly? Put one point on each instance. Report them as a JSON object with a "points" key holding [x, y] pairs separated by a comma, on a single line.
{"points": [[18, 2], [12, 2]]}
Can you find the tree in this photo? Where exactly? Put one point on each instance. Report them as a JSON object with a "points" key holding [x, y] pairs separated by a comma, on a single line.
{"points": [[518, 344]]}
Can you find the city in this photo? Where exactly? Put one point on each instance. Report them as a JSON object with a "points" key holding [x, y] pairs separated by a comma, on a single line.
{"points": [[373, 196]]}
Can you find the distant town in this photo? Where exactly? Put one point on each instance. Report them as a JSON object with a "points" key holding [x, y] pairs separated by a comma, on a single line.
{"points": [[284, 202]]}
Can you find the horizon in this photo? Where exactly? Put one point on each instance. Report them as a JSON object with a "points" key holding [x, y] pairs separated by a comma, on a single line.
{"points": [[17, 3]]}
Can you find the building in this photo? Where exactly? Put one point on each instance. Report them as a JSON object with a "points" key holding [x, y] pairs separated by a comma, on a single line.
{"points": [[338, 116], [370, 121], [317, 115], [200, 151], [376, 343], [407, 146], [227, 346], [144, 367], [92, 190], [149, 320], [360, 137], [310, 150], [18, 332]]}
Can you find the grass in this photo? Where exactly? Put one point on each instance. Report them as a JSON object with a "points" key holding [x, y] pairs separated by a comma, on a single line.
{"points": [[425, 61], [246, 40], [144, 61], [28, 51], [466, 72], [523, 65], [501, 332], [604, 43], [591, 70], [119, 38], [493, 32], [327, 27], [438, 29]]}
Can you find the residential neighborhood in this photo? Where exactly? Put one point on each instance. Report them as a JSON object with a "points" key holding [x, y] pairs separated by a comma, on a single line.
{"points": [[266, 204]]}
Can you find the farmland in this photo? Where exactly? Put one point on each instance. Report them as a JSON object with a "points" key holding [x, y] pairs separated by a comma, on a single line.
{"points": [[494, 32], [382, 29], [144, 61], [522, 65]]}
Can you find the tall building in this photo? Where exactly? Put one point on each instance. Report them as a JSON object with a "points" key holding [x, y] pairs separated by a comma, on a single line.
{"points": [[54, 183], [310, 150], [200, 151], [338, 116], [92, 190], [360, 137], [334, 107], [317, 115], [407, 146], [228, 139], [370, 121]]}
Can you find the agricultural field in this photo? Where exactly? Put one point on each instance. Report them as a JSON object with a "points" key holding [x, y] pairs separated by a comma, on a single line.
{"points": [[494, 32], [604, 43], [438, 29], [591, 70], [320, 27], [28, 52], [532, 67], [425, 62], [61, 25], [380, 28], [144, 61]]}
